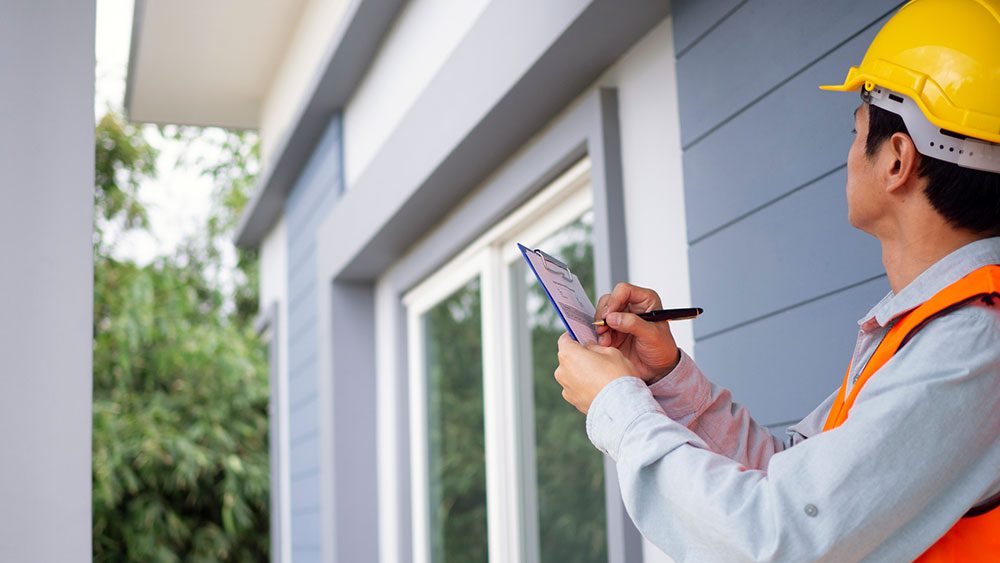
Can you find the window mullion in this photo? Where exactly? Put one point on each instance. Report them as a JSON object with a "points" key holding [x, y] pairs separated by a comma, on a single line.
{"points": [[499, 490], [517, 350], [418, 441]]}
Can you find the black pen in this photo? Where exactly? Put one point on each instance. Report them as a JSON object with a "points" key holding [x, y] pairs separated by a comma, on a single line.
{"points": [[664, 315]]}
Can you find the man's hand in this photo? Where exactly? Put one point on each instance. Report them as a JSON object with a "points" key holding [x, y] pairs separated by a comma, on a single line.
{"points": [[648, 346], [584, 370]]}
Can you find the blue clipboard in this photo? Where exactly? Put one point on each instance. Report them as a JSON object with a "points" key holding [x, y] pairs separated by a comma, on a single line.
{"points": [[565, 293]]}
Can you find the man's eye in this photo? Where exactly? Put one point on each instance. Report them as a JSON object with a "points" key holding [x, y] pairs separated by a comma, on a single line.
{"points": [[854, 131]]}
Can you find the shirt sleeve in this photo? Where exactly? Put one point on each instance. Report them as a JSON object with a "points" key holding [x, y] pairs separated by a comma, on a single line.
{"points": [[688, 397], [919, 449]]}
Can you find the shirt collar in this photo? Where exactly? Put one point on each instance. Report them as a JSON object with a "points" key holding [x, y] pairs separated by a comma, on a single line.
{"points": [[940, 275]]}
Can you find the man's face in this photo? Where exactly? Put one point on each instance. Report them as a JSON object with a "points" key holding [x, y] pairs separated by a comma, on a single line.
{"points": [[864, 204]]}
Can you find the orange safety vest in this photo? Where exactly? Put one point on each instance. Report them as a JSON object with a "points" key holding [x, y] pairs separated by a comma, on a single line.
{"points": [[976, 536]]}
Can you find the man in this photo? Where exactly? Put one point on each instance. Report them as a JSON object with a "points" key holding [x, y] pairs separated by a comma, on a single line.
{"points": [[903, 461]]}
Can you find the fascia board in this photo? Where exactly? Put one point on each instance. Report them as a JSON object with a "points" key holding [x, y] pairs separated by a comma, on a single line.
{"points": [[483, 105], [349, 55]]}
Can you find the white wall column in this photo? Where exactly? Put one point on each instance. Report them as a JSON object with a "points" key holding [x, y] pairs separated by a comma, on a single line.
{"points": [[46, 278]]}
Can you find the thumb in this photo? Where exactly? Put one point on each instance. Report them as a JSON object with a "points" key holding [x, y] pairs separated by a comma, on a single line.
{"points": [[630, 323]]}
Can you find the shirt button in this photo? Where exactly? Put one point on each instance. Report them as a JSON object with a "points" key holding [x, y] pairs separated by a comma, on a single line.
{"points": [[811, 510]]}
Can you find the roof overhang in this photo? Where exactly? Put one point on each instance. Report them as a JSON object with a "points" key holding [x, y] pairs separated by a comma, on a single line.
{"points": [[206, 62], [348, 56]]}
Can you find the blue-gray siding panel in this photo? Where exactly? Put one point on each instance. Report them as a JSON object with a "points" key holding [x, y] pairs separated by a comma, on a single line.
{"points": [[305, 493], [782, 275], [698, 16], [302, 456], [761, 45], [305, 529], [306, 554], [302, 420], [795, 250], [307, 388], [310, 200], [304, 371], [787, 139], [783, 366], [302, 335], [300, 282]]}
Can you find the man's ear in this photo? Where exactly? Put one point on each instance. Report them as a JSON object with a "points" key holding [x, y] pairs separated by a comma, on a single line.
{"points": [[900, 161]]}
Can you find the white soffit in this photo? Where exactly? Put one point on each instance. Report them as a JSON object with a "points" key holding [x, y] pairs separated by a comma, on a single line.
{"points": [[206, 62]]}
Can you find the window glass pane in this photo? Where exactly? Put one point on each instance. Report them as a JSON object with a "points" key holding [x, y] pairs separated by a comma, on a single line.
{"points": [[456, 454], [570, 471]]}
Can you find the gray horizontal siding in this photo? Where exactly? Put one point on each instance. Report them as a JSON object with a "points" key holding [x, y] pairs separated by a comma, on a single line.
{"points": [[699, 18], [784, 365], [302, 456], [781, 274], [315, 191], [306, 494], [306, 534], [761, 45], [781, 143], [790, 252]]}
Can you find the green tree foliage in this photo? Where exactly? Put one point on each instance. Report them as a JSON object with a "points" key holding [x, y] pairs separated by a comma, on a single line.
{"points": [[456, 439], [123, 159], [180, 467]]}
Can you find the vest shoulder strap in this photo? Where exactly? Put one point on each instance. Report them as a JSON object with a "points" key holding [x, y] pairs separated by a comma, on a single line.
{"points": [[981, 284]]}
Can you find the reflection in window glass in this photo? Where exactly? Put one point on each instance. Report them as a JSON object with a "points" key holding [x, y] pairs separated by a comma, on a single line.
{"points": [[570, 472], [457, 465]]}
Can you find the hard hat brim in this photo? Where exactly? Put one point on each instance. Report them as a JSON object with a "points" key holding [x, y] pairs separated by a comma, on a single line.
{"points": [[856, 79]]}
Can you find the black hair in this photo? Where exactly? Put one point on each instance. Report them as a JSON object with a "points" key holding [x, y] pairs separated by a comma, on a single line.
{"points": [[968, 199]]}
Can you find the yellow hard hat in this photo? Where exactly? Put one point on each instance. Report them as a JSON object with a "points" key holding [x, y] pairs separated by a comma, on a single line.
{"points": [[944, 55]]}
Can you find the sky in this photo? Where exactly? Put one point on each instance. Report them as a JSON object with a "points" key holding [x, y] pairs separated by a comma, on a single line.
{"points": [[179, 200]]}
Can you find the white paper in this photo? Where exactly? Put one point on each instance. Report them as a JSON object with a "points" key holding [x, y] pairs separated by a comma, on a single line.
{"points": [[566, 294]]}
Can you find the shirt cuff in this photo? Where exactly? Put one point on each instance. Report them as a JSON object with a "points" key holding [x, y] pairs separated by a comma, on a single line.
{"points": [[683, 391], [614, 409], [681, 371]]}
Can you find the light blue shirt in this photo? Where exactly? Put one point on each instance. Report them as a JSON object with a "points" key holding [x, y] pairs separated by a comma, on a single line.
{"points": [[704, 482]]}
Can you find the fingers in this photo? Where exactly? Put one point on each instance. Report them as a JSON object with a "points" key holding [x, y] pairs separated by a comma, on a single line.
{"points": [[630, 323], [604, 338], [631, 298], [565, 342], [567, 346], [603, 350], [601, 304], [624, 297]]}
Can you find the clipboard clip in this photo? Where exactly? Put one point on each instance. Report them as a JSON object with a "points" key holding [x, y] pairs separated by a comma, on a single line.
{"points": [[555, 266]]}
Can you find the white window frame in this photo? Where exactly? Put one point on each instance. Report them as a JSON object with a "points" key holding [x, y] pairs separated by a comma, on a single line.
{"points": [[512, 525]]}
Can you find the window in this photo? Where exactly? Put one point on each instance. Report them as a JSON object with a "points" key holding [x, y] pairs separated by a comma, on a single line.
{"points": [[502, 468], [569, 472]]}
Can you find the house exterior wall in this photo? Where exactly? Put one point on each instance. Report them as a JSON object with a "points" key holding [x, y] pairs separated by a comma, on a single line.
{"points": [[732, 175], [46, 289], [644, 76], [317, 188], [651, 157], [781, 274], [424, 34]]}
